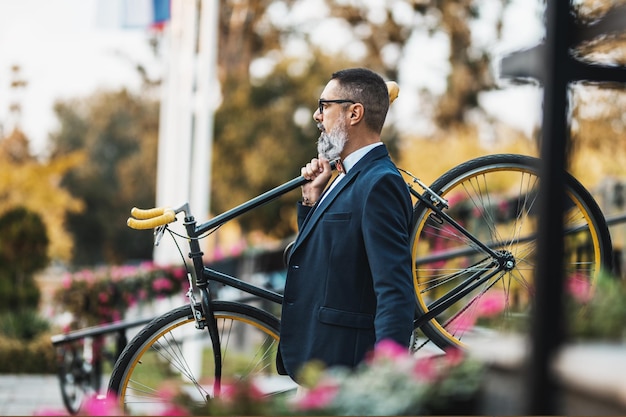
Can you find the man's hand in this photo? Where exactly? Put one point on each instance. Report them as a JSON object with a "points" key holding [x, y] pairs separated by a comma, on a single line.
{"points": [[318, 172]]}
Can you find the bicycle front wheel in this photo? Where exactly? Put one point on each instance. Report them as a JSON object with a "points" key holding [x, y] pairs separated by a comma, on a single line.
{"points": [[494, 198], [170, 353]]}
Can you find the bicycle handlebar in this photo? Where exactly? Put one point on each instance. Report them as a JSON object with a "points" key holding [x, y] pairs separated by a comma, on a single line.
{"points": [[142, 214], [151, 218]]}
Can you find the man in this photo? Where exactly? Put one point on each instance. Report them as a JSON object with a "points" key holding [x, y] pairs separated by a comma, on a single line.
{"points": [[349, 281]]}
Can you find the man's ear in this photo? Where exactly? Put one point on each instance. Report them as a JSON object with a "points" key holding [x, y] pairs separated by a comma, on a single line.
{"points": [[356, 113]]}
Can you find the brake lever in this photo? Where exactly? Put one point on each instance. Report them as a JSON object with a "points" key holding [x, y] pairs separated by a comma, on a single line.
{"points": [[158, 234]]}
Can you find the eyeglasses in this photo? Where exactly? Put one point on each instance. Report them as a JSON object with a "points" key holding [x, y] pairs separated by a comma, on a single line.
{"points": [[321, 103]]}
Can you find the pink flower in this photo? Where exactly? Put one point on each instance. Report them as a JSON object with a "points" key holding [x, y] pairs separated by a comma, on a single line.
{"points": [[173, 410], [425, 369], [67, 281], [124, 271], [86, 275], [179, 273], [503, 207], [462, 323], [319, 397], [162, 284], [238, 248], [388, 349], [233, 391], [456, 198], [218, 254], [116, 316], [131, 300], [167, 393], [454, 356], [491, 304], [148, 265], [578, 286], [100, 405]]}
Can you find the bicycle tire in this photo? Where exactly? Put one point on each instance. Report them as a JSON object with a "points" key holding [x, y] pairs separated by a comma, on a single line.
{"points": [[76, 381], [155, 359], [493, 197]]}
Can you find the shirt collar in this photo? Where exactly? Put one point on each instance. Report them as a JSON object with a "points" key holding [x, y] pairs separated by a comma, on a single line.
{"points": [[356, 156]]}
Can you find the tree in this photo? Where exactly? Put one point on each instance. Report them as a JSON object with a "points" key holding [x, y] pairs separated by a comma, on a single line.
{"points": [[251, 29], [118, 133], [23, 251], [35, 185], [264, 131]]}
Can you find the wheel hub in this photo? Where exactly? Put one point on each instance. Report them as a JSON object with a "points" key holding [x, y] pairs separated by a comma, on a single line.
{"points": [[506, 260]]}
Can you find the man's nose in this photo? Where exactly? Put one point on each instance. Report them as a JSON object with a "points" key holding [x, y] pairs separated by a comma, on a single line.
{"points": [[317, 116]]}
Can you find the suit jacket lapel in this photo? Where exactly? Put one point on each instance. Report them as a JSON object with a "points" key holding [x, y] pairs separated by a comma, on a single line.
{"points": [[315, 216]]}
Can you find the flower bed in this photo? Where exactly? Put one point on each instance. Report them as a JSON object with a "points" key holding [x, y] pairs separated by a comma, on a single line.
{"points": [[102, 295]]}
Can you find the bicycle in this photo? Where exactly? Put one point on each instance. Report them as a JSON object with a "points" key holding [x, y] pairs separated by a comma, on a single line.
{"points": [[80, 358], [473, 236]]}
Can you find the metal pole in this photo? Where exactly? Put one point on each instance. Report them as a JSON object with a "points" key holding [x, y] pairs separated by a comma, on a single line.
{"points": [[207, 98], [175, 123], [547, 330]]}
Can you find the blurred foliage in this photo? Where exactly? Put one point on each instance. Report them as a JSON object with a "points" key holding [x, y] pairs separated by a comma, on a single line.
{"points": [[264, 131], [379, 35], [102, 295], [389, 382], [258, 143], [35, 185], [118, 133], [271, 69], [597, 120], [422, 156], [25, 325], [592, 10], [598, 133], [23, 251], [598, 311], [36, 356]]}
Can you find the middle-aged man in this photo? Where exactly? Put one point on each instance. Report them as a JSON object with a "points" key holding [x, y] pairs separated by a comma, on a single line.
{"points": [[349, 282]]}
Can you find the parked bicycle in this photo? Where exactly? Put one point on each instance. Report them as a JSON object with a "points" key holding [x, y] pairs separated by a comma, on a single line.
{"points": [[81, 355], [474, 235]]}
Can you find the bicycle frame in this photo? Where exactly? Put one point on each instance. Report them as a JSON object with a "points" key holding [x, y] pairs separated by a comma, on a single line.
{"points": [[500, 261]]}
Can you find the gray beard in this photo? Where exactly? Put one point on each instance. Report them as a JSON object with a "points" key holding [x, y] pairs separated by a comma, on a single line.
{"points": [[330, 144]]}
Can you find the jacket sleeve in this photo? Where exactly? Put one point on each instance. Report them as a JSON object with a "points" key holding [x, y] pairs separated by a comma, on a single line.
{"points": [[303, 212], [386, 233]]}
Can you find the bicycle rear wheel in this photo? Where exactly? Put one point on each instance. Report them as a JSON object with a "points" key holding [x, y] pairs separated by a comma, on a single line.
{"points": [[494, 198], [78, 379], [161, 357]]}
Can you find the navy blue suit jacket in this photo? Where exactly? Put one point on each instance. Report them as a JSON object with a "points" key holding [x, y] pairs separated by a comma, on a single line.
{"points": [[349, 280]]}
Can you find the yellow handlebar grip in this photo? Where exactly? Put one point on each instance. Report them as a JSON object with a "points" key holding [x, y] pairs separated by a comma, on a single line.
{"points": [[141, 224], [142, 214]]}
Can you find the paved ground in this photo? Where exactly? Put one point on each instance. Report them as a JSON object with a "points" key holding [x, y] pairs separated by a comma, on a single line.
{"points": [[28, 395]]}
